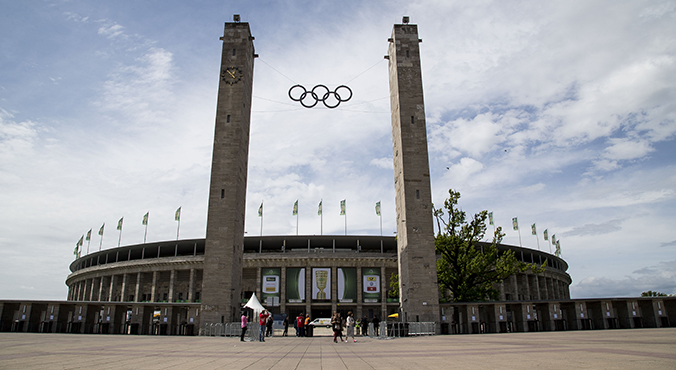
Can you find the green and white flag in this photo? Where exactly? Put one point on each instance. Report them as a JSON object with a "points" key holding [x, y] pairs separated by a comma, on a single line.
{"points": [[119, 223], [553, 239], [295, 208], [378, 208], [79, 243], [532, 229], [319, 210], [145, 218], [558, 248], [490, 218], [260, 210], [515, 224], [177, 215], [342, 207], [89, 235], [547, 234]]}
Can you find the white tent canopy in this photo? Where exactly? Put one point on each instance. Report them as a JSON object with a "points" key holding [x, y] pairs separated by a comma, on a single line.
{"points": [[255, 305]]}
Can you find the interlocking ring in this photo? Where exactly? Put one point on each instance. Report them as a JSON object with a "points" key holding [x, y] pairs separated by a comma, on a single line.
{"points": [[319, 93]]}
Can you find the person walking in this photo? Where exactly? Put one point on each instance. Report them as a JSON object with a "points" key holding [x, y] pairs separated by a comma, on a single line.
{"points": [[337, 324], [349, 324], [245, 322], [263, 320], [286, 326]]}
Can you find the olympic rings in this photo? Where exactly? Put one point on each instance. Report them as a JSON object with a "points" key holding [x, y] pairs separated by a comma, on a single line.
{"points": [[306, 97]]}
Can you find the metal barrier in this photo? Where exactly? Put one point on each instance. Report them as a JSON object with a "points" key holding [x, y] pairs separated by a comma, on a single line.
{"points": [[406, 329], [232, 329]]}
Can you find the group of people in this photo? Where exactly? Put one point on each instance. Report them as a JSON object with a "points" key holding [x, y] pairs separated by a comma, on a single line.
{"points": [[301, 323], [265, 320]]}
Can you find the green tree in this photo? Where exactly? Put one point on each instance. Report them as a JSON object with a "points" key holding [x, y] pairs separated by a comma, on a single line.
{"points": [[650, 293], [394, 286], [469, 268]]}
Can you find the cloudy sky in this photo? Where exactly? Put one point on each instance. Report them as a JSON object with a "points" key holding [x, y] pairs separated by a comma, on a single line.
{"points": [[562, 114]]}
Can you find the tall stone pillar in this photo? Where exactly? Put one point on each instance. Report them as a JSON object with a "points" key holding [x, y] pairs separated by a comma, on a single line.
{"points": [[222, 279], [419, 292]]}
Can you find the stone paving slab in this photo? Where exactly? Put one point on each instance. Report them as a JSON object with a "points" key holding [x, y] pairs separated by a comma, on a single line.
{"points": [[602, 349]]}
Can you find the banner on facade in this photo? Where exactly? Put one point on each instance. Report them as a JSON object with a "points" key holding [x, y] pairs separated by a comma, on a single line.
{"points": [[295, 285], [347, 285], [371, 283], [321, 284]]}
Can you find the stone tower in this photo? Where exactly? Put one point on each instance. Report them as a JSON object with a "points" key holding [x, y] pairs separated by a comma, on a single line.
{"points": [[419, 294], [221, 286]]}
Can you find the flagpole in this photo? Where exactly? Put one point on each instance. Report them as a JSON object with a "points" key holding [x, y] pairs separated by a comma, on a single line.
{"points": [[261, 208], [145, 235], [101, 233], [89, 242], [296, 223], [321, 218], [178, 228], [119, 240], [519, 230]]}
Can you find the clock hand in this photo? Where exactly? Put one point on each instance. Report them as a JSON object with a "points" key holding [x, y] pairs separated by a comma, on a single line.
{"points": [[232, 74]]}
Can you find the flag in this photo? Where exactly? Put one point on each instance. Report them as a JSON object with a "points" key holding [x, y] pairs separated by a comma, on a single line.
{"points": [[145, 219], [515, 224], [319, 210], [342, 207], [101, 229], [532, 229], [260, 210], [546, 234], [295, 208], [89, 235], [378, 208], [75, 251], [119, 224], [490, 218], [554, 239], [558, 248], [79, 243], [177, 215]]}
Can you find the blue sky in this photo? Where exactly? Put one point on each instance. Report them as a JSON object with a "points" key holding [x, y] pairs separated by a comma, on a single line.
{"points": [[562, 114]]}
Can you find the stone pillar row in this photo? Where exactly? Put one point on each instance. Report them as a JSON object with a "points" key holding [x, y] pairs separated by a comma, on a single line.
{"points": [[94, 289]]}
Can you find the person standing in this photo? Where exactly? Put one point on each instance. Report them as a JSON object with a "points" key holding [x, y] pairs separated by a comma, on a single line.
{"points": [[300, 321], [357, 327], [263, 320], [306, 326], [245, 321], [365, 327], [349, 324], [376, 325], [286, 326], [268, 326]]}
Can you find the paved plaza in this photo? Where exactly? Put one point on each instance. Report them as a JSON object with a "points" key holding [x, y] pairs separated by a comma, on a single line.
{"points": [[603, 349]]}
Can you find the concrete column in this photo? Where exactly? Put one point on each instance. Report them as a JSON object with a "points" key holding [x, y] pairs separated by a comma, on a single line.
{"points": [[172, 281], [99, 294], [383, 295], [153, 290], [282, 290], [123, 288], [92, 287], [502, 291], [137, 290], [111, 291], [191, 286], [360, 296], [308, 289], [259, 283], [334, 288], [515, 284]]}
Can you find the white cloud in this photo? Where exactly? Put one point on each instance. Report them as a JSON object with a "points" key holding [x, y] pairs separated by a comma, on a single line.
{"points": [[660, 278], [111, 31], [386, 163]]}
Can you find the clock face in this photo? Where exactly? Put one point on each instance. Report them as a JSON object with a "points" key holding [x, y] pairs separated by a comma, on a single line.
{"points": [[231, 75]]}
